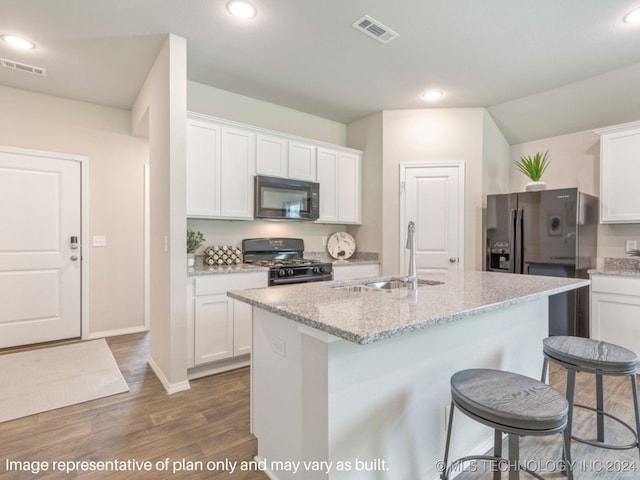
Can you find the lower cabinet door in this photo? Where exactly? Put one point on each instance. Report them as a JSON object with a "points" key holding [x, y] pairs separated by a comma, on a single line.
{"points": [[213, 328], [242, 328], [616, 319]]}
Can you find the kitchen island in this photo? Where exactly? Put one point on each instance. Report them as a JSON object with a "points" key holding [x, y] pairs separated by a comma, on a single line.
{"points": [[357, 379]]}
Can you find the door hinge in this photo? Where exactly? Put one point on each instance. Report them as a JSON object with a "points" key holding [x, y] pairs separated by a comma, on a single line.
{"points": [[403, 187]]}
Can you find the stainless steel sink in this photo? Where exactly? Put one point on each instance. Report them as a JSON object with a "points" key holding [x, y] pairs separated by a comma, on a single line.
{"points": [[385, 285], [395, 283], [388, 285]]}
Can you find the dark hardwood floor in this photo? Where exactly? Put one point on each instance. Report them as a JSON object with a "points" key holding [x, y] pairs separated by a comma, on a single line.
{"points": [[208, 423]]}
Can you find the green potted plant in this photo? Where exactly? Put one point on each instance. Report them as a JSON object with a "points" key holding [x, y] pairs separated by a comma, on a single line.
{"points": [[194, 242], [534, 167]]}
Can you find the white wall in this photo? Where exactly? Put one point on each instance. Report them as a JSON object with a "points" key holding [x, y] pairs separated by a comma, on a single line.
{"points": [[366, 135], [414, 136], [230, 106], [230, 232], [42, 122], [575, 162], [160, 111]]}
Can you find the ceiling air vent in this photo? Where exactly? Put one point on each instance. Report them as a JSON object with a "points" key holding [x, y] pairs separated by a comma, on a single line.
{"points": [[375, 29], [23, 67]]}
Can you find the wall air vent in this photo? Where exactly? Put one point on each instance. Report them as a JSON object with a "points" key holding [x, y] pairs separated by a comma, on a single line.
{"points": [[23, 67], [375, 29]]}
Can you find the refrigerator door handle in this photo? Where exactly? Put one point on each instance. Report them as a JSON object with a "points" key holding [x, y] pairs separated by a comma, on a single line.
{"points": [[512, 246], [518, 241]]}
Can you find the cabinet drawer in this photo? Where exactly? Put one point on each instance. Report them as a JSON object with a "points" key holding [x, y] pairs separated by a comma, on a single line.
{"points": [[221, 283], [617, 285]]}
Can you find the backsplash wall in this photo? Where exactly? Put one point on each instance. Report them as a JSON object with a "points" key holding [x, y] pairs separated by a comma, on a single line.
{"points": [[228, 232]]}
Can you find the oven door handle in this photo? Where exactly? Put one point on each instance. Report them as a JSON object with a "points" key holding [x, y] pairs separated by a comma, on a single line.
{"points": [[288, 281]]}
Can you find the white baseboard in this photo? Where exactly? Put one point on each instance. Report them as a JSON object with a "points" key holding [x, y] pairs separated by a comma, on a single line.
{"points": [[218, 367], [169, 387], [120, 331]]}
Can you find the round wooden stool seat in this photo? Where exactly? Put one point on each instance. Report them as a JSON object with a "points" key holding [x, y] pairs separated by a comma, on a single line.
{"points": [[508, 399], [509, 403], [592, 354]]}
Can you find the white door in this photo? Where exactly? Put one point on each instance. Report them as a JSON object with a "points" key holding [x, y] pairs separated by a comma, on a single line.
{"points": [[434, 200], [40, 272]]}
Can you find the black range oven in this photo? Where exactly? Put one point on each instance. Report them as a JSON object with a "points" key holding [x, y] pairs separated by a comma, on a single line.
{"points": [[285, 259]]}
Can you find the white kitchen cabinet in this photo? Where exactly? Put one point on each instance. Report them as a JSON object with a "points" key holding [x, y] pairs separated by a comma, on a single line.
{"points": [[339, 175], [223, 158], [220, 170], [619, 173], [218, 327], [351, 272], [203, 169], [214, 328], [302, 161], [272, 156], [615, 310]]}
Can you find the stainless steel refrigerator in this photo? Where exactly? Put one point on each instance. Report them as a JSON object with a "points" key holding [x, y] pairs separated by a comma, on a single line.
{"points": [[553, 233]]}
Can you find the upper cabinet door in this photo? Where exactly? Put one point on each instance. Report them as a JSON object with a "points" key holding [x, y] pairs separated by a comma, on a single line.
{"points": [[349, 188], [619, 173], [203, 169], [271, 156], [302, 161], [237, 158], [328, 180]]}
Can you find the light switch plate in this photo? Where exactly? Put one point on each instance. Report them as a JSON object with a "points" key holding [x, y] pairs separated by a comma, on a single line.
{"points": [[631, 245], [99, 241]]}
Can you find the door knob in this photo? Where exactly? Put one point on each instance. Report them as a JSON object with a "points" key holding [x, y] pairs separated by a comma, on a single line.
{"points": [[74, 258], [453, 260]]}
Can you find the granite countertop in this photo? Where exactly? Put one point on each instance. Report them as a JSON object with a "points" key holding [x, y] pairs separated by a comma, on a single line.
{"points": [[374, 315], [623, 267], [358, 258], [202, 269]]}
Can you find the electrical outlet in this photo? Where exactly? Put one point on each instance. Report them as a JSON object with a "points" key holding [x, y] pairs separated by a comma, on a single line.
{"points": [[279, 346], [325, 239], [631, 245]]}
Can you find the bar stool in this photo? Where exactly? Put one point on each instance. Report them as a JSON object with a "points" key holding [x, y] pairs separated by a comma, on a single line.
{"points": [[577, 354], [508, 403]]}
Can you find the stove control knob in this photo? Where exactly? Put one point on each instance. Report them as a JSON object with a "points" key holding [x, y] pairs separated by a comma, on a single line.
{"points": [[316, 269], [325, 269], [281, 273], [289, 271]]}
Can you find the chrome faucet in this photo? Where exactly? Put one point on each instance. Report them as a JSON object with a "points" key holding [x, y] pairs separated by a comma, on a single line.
{"points": [[412, 277]]}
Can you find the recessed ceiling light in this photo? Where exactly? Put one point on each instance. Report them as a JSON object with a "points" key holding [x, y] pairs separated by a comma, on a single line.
{"points": [[241, 9], [432, 95], [18, 42], [633, 16]]}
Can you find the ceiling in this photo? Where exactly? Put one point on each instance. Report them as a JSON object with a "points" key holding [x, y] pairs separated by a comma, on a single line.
{"points": [[542, 67]]}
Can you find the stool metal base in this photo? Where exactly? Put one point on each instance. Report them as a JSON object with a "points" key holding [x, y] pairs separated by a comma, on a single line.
{"points": [[602, 444], [514, 447], [572, 369], [500, 460]]}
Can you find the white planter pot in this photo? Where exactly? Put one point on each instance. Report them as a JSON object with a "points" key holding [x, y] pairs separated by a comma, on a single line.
{"points": [[191, 260], [536, 186]]}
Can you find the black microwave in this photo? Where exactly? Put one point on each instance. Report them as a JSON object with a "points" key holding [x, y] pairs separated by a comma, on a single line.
{"points": [[286, 199]]}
